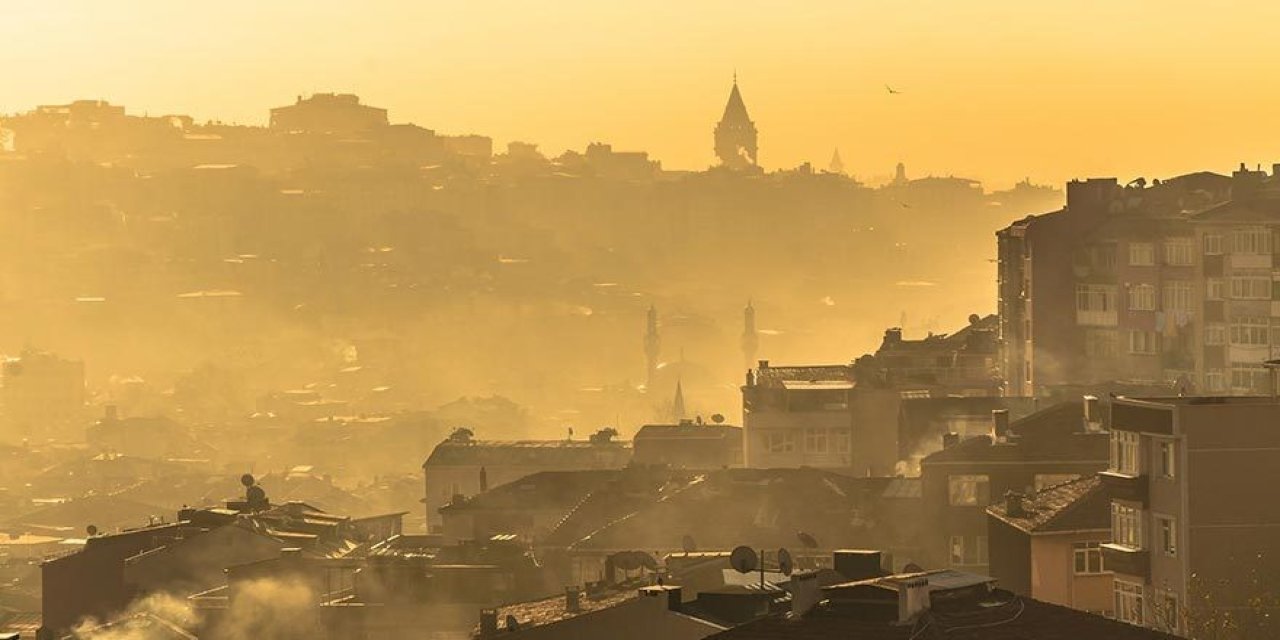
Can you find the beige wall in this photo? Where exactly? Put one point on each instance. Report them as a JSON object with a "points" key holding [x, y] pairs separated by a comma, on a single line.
{"points": [[1053, 577]]}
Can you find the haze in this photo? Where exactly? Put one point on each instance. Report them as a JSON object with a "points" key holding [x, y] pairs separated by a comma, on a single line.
{"points": [[996, 90]]}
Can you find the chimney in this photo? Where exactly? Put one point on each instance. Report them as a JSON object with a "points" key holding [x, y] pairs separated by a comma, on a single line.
{"points": [[666, 597], [1092, 414], [764, 364], [488, 623], [950, 439], [111, 413], [913, 598], [1000, 423], [572, 599], [1013, 505], [804, 592], [857, 564]]}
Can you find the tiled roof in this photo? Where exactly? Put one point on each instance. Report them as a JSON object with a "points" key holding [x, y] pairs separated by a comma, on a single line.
{"points": [[543, 490], [564, 454], [1078, 505], [807, 373], [1007, 617], [553, 609]]}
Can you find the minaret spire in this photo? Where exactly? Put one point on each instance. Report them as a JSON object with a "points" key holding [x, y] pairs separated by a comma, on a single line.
{"points": [[652, 345], [750, 337], [677, 405]]}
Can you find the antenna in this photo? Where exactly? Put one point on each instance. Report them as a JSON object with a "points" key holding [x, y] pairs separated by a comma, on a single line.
{"points": [[785, 564], [743, 559]]}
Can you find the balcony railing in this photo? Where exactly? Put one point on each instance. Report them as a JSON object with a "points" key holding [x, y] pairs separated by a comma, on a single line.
{"points": [[1126, 560], [1122, 486]]}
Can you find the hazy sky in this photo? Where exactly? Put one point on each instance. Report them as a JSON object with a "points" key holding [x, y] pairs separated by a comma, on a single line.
{"points": [[994, 89]]}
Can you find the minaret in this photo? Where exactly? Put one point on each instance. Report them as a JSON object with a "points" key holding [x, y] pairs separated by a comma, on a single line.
{"points": [[736, 134], [837, 165], [677, 405], [652, 345], [750, 337], [900, 175]]}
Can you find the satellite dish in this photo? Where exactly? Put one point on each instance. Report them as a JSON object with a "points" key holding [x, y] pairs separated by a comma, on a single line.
{"points": [[92, 530], [688, 544], [785, 565], [717, 418], [743, 559], [247, 480], [807, 540], [912, 568]]}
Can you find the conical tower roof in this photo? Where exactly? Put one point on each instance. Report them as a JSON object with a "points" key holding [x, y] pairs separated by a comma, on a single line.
{"points": [[735, 110]]}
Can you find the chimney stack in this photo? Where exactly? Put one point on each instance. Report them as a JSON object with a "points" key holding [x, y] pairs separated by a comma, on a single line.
{"points": [[488, 623], [1092, 414], [804, 592], [857, 564], [1013, 505], [950, 439], [764, 364], [1000, 423], [913, 598], [572, 599]]}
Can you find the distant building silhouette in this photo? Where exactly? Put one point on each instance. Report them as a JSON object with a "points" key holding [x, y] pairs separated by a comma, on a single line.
{"points": [[328, 113], [837, 165], [900, 175], [677, 405], [736, 144]]}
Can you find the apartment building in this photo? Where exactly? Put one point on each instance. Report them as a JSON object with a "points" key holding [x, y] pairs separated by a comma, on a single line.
{"points": [[1193, 516]]}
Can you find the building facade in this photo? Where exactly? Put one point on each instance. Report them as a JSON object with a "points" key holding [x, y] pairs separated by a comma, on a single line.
{"points": [[798, 416]]}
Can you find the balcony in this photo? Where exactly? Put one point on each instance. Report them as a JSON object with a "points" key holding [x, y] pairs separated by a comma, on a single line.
{"points": [[1122, 486], [1125, 560]]}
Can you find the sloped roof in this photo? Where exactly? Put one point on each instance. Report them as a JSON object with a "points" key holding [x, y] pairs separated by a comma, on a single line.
{"points": [[1051, 434], [690, 431], [107, 512], [1078, 505], [563, 454], [542, 490], [1006, 617]]}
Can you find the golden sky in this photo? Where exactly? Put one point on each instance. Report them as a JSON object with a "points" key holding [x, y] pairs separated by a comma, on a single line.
{"points": [[993, 89]]}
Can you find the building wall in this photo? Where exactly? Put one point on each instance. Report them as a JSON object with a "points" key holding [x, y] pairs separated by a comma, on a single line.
{"points": [[1053, 576], [1011, 556]]}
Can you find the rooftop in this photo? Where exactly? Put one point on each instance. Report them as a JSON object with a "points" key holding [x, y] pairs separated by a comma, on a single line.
{"points": [[1078, 505]]}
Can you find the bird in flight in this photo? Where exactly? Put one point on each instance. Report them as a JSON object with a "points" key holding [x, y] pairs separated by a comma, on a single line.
{"points": [[892, 90]]}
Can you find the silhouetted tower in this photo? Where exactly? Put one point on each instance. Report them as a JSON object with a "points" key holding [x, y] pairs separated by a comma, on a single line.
{"points": [[736, 134], [900, 175], [677, 405], [750, 337], [652, 345], [837, 165]]}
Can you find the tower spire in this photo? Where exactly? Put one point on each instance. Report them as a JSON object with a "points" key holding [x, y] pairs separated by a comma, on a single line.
{"points": [[750, 337], [735, 135], [677, 405]]}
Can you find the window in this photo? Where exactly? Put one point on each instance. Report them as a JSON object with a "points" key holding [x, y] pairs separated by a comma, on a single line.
{"points": [[1124, 452], [1213, 244], [1165, 611], [840, 440], [1045, 480], [1095, 297], [1128, 602], [1126, 526], [1142, 297], [1101, 343], [1088, 557], [1215, 288], [1251, 241], [1249, 330], [968, 550], [1215, 333], [1251, 288], [1144, 342], [1215, 380], [815, 441], [1142, 254], [969, 491], [1167, 529], [1178, 251], [780, 442], [1177, 296], [1250, 378], [1167, 461]]}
